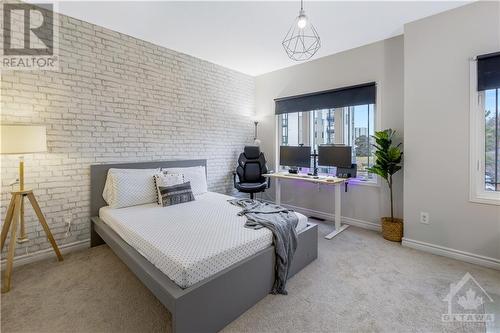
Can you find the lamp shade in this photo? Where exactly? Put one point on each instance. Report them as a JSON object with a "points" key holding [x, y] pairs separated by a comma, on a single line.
{"points": [[23, 139]]}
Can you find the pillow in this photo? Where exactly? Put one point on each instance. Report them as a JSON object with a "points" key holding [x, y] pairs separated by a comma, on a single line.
{"points": [[176, 194], [165, 179], [195, 175], [107, 193], [129, 187]]}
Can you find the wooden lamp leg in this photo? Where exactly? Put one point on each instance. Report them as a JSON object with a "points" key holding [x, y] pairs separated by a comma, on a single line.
{"points": [[41, 218], [8, 221], [22, 237], [12, 245], [22, 229], [13, 214]]}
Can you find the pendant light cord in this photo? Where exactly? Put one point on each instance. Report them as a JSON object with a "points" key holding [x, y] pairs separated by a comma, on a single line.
{"points": [[301, 4]]}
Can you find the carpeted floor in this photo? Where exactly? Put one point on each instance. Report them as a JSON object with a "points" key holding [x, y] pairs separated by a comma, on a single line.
{"points": [[359, 283]]}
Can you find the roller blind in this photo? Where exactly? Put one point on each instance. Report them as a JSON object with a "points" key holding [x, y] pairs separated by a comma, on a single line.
{"points": [[349, 96], [488, 71]]}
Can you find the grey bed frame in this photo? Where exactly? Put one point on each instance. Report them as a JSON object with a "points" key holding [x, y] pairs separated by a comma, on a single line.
{"points": [[211, 304]]}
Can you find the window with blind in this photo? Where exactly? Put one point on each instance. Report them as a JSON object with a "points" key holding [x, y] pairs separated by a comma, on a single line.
{"points": [[485, 129], [340, 116]]}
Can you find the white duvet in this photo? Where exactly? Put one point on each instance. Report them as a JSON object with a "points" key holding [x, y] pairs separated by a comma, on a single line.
{"points": [[192, 241]]}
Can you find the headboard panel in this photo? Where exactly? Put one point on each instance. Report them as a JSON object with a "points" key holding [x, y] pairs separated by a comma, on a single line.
{"points": [[99, 172]]}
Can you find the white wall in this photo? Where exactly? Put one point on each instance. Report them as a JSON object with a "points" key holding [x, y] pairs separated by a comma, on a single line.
{"points": [[437, 50], [116, 98], [381, 62]]}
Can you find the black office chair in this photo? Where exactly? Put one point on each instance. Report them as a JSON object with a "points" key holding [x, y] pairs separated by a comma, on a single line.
{"points": [[251, 166]]}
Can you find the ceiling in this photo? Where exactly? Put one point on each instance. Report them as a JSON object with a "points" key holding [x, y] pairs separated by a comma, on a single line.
{"points": [[246, 36]]}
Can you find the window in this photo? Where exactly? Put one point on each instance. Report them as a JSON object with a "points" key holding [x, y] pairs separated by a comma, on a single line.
{"points": [[491, 140], [291, 129], [358, 129], [339, 116], [284, 129], [485, 130], [352, 125], [323, 127]]}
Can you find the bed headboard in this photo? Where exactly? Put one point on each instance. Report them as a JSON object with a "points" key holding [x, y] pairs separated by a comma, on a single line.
{"points": [[99, 172]]}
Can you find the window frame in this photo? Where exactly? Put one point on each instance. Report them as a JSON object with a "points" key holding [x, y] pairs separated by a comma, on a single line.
{"points": [[477, 145], [375, 181]]}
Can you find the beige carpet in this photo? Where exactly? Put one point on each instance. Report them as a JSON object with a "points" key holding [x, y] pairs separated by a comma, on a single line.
{"points": [[359, 283]]}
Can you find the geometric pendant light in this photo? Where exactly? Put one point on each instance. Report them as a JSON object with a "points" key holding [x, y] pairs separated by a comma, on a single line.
{"points": [[302, 40]]}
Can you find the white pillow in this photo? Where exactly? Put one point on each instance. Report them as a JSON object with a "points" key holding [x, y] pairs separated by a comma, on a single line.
{"points": [[129, 187], [164, 179], [196, 175]]}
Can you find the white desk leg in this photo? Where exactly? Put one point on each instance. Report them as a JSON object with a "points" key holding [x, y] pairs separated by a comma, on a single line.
{"points": [[278, 192], [338, 213]]}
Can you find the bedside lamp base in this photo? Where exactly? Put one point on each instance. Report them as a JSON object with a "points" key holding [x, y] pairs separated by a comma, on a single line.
{"points": [[13, 217]]}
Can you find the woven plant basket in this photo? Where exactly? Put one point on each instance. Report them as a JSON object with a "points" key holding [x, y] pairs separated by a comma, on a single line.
{"points": [[392, 229]]}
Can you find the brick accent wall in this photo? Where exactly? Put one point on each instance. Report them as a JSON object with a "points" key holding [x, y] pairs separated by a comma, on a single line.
{"points": [[118, 99]]}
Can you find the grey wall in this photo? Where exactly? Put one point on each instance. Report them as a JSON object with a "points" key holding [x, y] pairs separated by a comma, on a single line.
{"points": [[381, 62], [114, 99], [436, 118]]}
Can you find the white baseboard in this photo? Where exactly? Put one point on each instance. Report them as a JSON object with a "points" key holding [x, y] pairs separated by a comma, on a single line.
{"points": [[452, 253], [362, 224], [414, 244], [331, 217], [47, 253]]}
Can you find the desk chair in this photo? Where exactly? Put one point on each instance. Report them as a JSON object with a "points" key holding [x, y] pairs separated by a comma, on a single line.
{"points": [[251, 167]]}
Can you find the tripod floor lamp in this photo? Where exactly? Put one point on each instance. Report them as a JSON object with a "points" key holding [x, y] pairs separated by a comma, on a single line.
{"points": [[22, 139]]}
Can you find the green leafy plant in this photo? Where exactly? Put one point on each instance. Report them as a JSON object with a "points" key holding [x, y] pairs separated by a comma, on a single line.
{"points": [[388, 159]]}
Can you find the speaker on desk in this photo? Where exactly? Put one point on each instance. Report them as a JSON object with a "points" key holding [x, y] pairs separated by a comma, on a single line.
{"points": [[347, 172]]}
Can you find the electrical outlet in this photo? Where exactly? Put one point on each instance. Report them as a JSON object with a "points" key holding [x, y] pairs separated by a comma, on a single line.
{"points": [[68, 218], [424, 217]]}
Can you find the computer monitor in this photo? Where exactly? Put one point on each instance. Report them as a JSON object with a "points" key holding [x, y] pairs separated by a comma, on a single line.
{"points": [[335, 156], [295, 156]]}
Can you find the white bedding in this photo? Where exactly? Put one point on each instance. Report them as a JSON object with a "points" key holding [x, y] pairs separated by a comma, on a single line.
{"points": [[191, 241]]}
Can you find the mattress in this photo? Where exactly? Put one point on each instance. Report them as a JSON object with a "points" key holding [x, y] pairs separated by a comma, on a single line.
{"points": [[192, 241]]}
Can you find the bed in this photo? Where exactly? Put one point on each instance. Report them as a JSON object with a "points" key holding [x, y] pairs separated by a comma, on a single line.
{"points": [[205, 277]]}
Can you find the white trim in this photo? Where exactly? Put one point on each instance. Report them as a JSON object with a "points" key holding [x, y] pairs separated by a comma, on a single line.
{"points": [[331, 217], [276, 143], [410, 243], [477, 193], [362, 224], [452, 253], [47, 253], [377, 181]]}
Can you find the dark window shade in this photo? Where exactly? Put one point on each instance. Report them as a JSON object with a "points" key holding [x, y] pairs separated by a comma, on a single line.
{"points": [[337, 98], [488, 71]]}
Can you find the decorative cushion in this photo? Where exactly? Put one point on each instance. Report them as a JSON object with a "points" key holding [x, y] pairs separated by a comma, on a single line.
{"points": [[176, 194], [164, 179], [129, 187], [195, 175]]}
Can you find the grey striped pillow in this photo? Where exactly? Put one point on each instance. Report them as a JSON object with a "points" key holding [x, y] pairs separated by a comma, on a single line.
{"points": [[176, 194]]}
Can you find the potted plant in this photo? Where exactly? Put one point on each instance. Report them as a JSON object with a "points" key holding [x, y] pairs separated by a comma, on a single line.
{"points": [[387, 163]]}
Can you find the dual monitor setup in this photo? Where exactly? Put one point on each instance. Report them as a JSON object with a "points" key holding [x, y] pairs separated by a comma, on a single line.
{"points": [[339, 156]]}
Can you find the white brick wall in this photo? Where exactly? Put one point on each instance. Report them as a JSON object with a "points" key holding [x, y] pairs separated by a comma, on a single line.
{"points": [[119, 99]]}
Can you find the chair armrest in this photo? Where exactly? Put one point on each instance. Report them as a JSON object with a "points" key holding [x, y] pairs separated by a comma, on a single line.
{"points": [[268, 182], [234, 178]]}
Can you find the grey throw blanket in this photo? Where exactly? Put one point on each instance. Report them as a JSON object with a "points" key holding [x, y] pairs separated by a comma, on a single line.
{"points": [[282, 223]]}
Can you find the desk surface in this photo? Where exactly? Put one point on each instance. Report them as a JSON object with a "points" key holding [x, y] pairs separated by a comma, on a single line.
{"points": [[306, 178]]}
